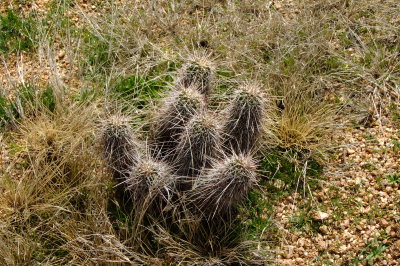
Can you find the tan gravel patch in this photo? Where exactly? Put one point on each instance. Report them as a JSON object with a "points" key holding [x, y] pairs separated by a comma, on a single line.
{"points": [[40, 70], [359, 203]]}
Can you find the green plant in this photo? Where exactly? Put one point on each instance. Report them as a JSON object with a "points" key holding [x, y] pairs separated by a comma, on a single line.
{"points": [[395, 113], [16, 32], [396, 145], [140, 91], [48, 99], [370, 253], [28, 101], [393, 178], [288, 167], [257, 211], [97, 53], [4, 111]]}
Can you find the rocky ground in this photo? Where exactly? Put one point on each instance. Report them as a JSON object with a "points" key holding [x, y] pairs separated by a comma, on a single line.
{"points": [[354, 217]]}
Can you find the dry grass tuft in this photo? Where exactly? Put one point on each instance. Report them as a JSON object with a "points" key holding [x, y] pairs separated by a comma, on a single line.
{"points": [[57, 182], [305, 122]]}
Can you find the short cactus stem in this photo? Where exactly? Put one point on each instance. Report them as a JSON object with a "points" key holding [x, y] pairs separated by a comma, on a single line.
{"points": [[196, 75], [120, 146], [245, 114], [198, 145], [120, 149], [224, 186], [150, 183], [179, 108]]}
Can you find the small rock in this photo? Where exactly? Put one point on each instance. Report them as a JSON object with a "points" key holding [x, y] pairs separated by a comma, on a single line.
{"points": [[320, 216], [61, 54], [350, 151], [279, 184], [322, 245], [366, 210], [342, 249], [289, 252], [346, 223], [324, 229], [388, 230], [383, 222]]}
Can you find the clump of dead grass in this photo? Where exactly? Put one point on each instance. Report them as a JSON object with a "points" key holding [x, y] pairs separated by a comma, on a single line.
{"points": [[54, 193]]}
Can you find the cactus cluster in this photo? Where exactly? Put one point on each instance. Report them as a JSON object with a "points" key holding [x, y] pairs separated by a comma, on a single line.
{"points": [[197, 161]]}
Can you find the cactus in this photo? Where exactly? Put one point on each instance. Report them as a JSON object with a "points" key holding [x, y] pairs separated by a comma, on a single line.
{"points": [[197, 72], [198, 145], [150, 183], [198, 169], [179, 107], [121, 153], [243, 126], [224, 186], [197, 75], [120, 146]]}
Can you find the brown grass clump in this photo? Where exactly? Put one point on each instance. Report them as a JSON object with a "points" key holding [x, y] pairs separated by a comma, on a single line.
{"points": [[55, 183], [305, 123]]}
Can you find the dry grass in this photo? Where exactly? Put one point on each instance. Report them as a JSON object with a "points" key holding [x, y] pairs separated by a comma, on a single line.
{"points": [[56, 161]]}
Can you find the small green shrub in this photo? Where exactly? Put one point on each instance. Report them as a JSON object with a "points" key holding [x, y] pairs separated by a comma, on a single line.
{"points": [[393, 178], [285, 166], [257, 212], [97, 55], [4, 111], [140, 90], [17, 33], [27, 101], [30, 98], [370, 253]]}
